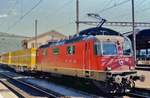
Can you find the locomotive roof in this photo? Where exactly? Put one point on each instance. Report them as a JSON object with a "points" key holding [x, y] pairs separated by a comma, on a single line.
{"points": [[99, 31], [112, 38], [85, 34]]}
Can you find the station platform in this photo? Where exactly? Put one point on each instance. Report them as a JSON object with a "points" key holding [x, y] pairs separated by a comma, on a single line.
{"points": [[146, 83], [6, 93]]}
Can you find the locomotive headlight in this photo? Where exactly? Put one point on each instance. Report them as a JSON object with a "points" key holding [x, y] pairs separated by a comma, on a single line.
{"points": [[108, 68], [131, 68]]}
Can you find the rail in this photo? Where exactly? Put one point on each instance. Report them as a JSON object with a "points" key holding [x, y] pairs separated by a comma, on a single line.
{"points": [[15, 84], [140, 93]]}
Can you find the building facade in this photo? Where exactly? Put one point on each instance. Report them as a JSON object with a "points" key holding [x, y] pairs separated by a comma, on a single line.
{"points": [[42, 39], [10, 42]]}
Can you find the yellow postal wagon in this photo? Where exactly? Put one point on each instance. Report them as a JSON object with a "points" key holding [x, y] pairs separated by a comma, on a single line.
{"points": [[5, 58], [23, 60]]}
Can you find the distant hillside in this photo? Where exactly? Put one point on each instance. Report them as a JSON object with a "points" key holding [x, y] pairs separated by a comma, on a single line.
{"points": [[10, 35], [10, 42]]}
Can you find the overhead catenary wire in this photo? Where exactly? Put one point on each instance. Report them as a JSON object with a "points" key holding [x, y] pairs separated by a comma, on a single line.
{"points": [[139, 4], [24, 15], [60, 8], [55, 12], [29, 11], [9, 11], [113, 6], [62, 26], [106, 3], [143, 10], [65, 4], [124, 15]]}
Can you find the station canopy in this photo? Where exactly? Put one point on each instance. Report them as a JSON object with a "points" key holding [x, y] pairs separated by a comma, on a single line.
{"points": [[142, 39]]}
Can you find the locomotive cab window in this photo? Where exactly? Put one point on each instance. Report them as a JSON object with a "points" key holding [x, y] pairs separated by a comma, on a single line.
{"points": [[109, 48], [71, 50], [127, 47], [105, 48]]}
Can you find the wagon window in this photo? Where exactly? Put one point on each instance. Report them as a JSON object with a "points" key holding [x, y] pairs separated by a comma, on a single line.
{"points": [[55, 51], [71, 50]]}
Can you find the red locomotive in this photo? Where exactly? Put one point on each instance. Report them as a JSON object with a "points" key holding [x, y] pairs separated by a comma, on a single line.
{"points": [[98, 54]]}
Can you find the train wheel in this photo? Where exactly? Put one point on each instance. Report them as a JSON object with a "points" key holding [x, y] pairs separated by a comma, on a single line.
{"points": [[111, 88], [132, 84]]}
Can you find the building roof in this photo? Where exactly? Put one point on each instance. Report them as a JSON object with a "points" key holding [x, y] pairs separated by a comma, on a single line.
{"points": [[9, 42], [51, 33]]}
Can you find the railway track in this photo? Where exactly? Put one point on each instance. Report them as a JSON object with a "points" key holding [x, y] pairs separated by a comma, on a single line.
{"points": [[143, 68], [21, 80], [13, 77], [135, 95], [139, 93], [26, 90]]}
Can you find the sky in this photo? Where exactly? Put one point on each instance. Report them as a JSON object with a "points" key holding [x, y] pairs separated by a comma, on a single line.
{"points": [[18, 16]]}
